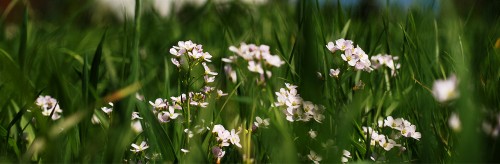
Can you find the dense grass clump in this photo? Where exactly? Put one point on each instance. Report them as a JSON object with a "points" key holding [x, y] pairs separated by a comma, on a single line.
{"points": [[232, 82]]}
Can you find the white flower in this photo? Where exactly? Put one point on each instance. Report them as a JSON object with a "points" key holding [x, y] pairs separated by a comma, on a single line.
{"points": [[220, 93], [135, 116], [189, 133], [209, 79], [166, 116], [454, 122], [207, 70], [230, 59], [331, 46], [319, 75], [409, 131], [387, 60], [217, 152], [136, 126], [230, 73], [206, 56], [349, 57], [334, 72], [345, 155], [107, 110], [159, 103], [224, 137], [174, 52], [312, 134], [95, 119], [218, 128], [49, 106], [387, 145], [255, 67], [314, 157], [343, 45], [185, 150], [171, 113], [273, 60], [259, 122], [445, 90], [235, 139], [340, 44], [176, 62], [138, 148]]}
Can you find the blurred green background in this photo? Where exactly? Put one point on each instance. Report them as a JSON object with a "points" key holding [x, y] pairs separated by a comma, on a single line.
{"points": [[49, 47]]}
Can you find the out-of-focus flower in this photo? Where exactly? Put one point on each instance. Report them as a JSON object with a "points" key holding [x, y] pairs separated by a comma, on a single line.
{"points": [[220, 93], [334, 72], [218, 152], [189, 133], [314, 157], [235, 139], [159, 104], [139, 96], [258, 58], [136, 123], [95, 119], [135, 116], [185, 150], [49, 107], [454, 122], [138, 148], [387, 60], [312, 134], [345, 155], [207, 70], [445, 90], [230, 73], [259, 122]]}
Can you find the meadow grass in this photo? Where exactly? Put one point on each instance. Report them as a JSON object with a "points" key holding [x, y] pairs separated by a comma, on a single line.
{"points": [[85, 67]]}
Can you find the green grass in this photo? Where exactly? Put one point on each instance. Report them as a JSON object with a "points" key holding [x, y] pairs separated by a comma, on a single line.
{"points": [[85, 66]]}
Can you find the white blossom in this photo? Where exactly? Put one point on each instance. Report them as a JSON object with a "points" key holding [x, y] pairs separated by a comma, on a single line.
{"points": [[445, 90], [314, 157], [454, 122], [138, 148]]}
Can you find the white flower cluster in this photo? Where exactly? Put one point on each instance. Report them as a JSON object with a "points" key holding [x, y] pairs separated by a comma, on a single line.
{"points": [[49, 105], [380, 139], [259, 58], [445, 90], [193, 51], [164, 110], [404, 126], [224, 138], [387, 60], [355, 57], [296, 109]]}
